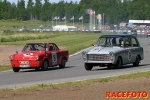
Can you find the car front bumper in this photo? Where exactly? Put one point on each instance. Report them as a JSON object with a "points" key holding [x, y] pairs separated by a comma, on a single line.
{"points": [[100, 62], [26, 64]]}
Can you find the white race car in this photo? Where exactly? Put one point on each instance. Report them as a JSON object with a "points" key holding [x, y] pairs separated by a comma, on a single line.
{"points": [[113, 51]]}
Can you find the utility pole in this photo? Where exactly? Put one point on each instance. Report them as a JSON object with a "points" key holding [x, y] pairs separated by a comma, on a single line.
{"points": [[104, 23], [103, 19]]}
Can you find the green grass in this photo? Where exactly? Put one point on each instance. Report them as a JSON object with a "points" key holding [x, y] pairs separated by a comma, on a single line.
{"points": [[72, 41], [81, 83], [3, 68]]}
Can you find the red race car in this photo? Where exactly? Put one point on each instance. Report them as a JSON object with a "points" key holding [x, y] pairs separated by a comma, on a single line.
{"points": [[39, 56]]}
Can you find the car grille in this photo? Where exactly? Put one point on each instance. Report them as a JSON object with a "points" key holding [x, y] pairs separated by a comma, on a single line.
{"points": [[98, 57]]}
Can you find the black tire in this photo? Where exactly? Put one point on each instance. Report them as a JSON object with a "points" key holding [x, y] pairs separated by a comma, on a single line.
{"points": [[37, 69], [110, 66], [118, 63], [16, 69], [63, 63], [45, 65], [137, 61], [88, 66]]}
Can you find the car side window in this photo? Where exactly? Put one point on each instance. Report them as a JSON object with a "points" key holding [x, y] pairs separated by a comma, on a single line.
{"points": [[51, 47], [134, 42], [127, 42], [55, 47], [101, 41]]}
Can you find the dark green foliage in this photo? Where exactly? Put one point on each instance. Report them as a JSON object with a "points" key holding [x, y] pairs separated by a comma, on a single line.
{"points": [[115, 11]]}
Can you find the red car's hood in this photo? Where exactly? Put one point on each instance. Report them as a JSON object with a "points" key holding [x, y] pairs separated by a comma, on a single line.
{"points": [[28, 55]]}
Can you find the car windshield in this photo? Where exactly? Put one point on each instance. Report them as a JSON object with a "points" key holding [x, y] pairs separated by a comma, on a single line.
{"points": [[35, 47], [110, 41]]}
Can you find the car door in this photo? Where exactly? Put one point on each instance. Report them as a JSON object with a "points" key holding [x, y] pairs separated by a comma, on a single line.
{"points": [[59, 54], [51, 55], [54, 55], [129, 50], [135, 48]]}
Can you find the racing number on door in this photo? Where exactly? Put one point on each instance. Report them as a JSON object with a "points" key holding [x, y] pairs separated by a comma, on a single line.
{"points": [[54, 58]]}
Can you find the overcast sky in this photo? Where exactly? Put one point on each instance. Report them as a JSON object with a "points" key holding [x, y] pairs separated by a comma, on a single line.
{"points": [[56, 1]]}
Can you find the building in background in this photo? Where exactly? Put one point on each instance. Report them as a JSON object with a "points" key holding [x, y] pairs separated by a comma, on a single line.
{"points": [[64, 28]]}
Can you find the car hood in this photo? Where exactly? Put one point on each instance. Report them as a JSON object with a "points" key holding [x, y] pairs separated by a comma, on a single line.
{"points": [[104, 50], [28, 55]]}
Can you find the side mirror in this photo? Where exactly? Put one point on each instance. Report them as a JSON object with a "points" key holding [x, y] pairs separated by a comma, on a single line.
{"points": [[16, 51]]}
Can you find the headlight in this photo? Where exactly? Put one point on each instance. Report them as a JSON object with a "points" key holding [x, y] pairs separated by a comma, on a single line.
{"points": [[36, 57], [111, 56], [11, 57], [84, 55]]}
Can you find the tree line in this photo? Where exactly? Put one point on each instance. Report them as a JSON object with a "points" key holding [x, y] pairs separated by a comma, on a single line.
{"points": [[115, 11]]}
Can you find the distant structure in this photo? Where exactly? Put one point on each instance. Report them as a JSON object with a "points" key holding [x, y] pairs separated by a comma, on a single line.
{"points": [[123, 25], [64, 28], [139, 24], [91, 14]]}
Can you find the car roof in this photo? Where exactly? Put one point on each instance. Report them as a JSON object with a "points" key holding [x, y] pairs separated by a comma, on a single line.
{"points": [[117, 35], [39, 42]]}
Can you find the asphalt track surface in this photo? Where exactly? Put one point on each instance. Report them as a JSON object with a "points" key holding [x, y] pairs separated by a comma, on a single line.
{"points": [[74, 71]]}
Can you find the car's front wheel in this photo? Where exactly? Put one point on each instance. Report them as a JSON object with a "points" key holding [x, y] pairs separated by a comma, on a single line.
{"points": [[88, 66], [45, 65], [118, 63], [110, 66], [137, 61], [37, 69], [16, 69]]}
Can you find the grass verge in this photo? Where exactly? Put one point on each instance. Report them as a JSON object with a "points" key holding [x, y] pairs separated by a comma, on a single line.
{"points": [[81, 83], [3, 68]]}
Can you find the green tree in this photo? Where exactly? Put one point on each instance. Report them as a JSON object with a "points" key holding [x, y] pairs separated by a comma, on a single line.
{"points": [[21, 12], [13, 11], [46, 13], [4, 10], [1, 9], [37, 9], [30, 8]]}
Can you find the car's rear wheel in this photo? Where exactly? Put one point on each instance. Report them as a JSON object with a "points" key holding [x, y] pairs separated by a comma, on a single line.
{"points": [[88, 66], [137, 61], [16, 69], [118, 63], [45, 65], [63, 63]]}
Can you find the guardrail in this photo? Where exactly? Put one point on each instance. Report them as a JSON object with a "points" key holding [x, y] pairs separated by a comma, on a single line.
{"points": [[44, 31], [127, 31], [84, 31]]}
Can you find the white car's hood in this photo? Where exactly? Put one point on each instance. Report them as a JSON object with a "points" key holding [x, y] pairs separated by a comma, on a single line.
{"points": [[103, 50]]}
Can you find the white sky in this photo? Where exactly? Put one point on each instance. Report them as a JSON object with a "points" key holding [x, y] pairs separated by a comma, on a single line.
{"points": [[52, 1]]}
